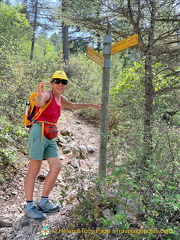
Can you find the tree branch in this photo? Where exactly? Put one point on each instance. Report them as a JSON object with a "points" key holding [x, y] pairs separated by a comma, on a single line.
{"points": [[167, 19], [166, 90]]}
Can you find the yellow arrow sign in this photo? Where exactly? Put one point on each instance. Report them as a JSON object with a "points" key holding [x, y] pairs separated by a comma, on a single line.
{"points": [[126, 43], [95, 56]]}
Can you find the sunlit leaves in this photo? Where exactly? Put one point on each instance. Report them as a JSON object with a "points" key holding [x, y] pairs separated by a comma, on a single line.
{"points": [[14, 26]]}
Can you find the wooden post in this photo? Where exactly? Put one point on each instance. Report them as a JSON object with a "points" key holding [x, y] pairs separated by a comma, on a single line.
{"points": [[105, 61], [105, 102]]}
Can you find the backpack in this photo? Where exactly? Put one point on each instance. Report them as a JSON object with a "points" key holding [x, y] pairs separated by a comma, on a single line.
{"points": [[29, 114]]}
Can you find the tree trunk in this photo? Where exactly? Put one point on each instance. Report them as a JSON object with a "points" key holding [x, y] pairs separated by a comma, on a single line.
{"points": [[65, 35], [149, 94], [34, 30]]}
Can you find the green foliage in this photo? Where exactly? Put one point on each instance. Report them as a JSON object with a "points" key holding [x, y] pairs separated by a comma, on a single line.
{"points": [[7, 150], [18, 78], [14, 27], [127, 203], [44, 51], [79, 44], [157, 186], [85, 84], [126, 100], [87, 8]]}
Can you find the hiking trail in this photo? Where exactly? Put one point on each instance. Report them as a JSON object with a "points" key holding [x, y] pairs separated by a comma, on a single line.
{"points": [[79, 148]]}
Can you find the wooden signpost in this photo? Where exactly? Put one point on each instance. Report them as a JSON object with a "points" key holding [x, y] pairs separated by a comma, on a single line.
{"points": [[124, 44], [104, 61], [95, 56]]}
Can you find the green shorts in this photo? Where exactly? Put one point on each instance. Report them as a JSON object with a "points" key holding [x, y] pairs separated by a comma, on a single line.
{"points": [[41, 150]]}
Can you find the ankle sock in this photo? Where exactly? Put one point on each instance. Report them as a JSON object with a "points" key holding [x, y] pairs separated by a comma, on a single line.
{"points": [[29, 204], [43, 200]]}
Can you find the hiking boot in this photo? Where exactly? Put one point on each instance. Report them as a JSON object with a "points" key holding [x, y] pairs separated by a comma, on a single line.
{"points": [[48, 207], [34, 213]]}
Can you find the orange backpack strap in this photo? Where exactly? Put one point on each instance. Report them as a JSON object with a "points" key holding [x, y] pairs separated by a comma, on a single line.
{"points": [[41, 109]]}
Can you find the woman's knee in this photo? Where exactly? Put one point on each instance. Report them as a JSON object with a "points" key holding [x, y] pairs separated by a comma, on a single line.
{"points": [[34, 166], [55, 164]]}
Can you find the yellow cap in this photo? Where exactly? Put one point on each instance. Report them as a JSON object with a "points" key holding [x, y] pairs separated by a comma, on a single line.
{"points": [[60, 74]]}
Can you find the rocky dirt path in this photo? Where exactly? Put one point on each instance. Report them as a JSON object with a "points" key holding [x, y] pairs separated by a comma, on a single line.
{"points": [[78, 145]]}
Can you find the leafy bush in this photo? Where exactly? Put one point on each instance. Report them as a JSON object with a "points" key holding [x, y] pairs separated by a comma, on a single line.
{"points": [[127, 204]]}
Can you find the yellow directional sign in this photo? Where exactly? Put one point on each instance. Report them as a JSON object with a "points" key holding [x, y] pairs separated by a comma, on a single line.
{"points": [[95, 56], [126, 43]]}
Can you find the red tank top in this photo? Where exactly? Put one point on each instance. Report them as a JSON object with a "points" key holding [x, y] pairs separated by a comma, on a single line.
{"points": [[52, 112]]}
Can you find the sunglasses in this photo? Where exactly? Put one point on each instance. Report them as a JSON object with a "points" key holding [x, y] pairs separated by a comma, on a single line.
{"points": [[57, 81]]}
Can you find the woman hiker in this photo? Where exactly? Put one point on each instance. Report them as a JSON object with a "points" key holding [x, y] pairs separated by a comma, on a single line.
{"points": [[41, 148]]}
